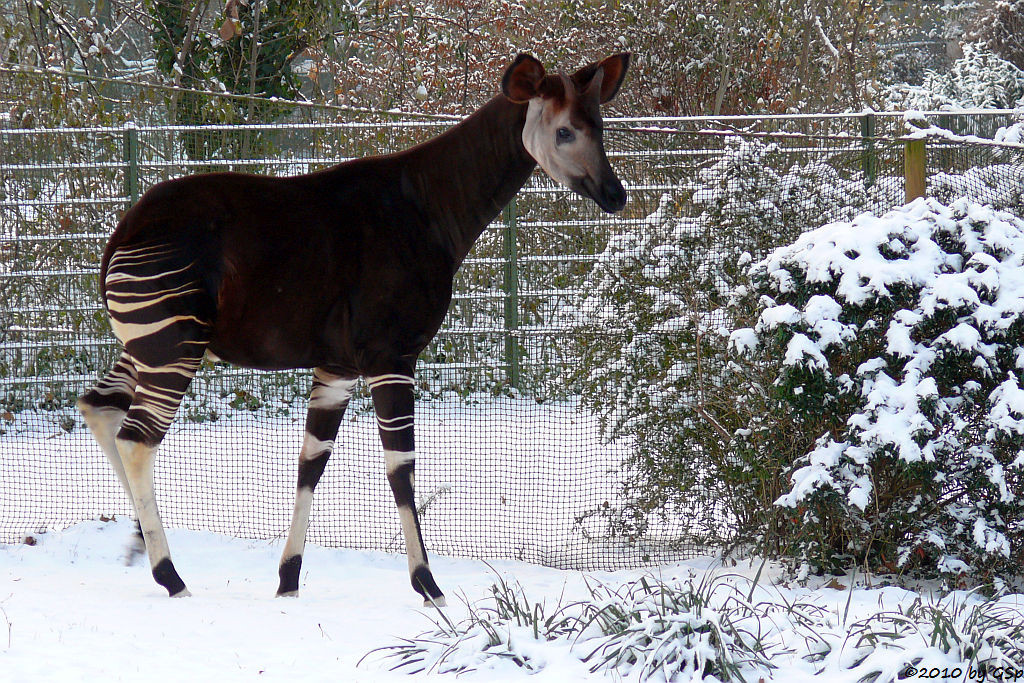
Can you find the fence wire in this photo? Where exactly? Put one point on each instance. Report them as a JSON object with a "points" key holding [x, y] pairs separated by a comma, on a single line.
{"points": [[511, 465]]}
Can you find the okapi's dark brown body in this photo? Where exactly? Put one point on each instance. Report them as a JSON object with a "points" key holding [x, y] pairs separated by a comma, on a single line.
{"points": [[349, 268]]}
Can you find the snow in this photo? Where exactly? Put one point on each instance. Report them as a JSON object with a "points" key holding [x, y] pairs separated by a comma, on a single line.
{"points": [[802, 350], [1013, 134], [71, 610], [743, 340]]}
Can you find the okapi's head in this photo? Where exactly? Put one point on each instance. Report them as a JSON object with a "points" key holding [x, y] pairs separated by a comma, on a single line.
{"points": [[563, 130]]}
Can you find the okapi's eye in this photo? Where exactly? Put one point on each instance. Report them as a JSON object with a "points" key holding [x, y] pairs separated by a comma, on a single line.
{"points": [[565, 135]]}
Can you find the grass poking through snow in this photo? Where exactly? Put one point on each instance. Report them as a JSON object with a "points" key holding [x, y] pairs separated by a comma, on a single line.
{"points": [[713, 627]]}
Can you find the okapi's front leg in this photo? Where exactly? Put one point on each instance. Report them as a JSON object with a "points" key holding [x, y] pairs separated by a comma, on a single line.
{"points": [[393, 402], [327, 402]]}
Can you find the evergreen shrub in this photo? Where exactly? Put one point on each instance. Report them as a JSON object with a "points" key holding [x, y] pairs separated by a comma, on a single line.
{"points": [[896, 347]]}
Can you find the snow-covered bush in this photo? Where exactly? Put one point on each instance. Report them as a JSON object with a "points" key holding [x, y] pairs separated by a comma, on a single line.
{"points": [[994, 175], [997, 185], [895, 346], [645, 629], [1000, 28], [978, 80], [649, 331], [685, 629]]}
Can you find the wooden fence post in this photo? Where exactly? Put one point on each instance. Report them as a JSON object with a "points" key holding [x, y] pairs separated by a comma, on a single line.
{"points": [[914, 168], [869, 163]]}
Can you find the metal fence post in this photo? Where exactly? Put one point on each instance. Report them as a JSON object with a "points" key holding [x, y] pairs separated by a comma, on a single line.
{"points": [[511, 287], [869, 163], [914, 169], [131, 161]]}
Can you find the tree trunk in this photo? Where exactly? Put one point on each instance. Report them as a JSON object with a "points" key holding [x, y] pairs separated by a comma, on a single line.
{"points": [[179, 62], [254, 52], [723, 83]]}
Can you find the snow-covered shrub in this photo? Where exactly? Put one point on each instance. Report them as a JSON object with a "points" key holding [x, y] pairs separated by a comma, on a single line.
{"points": [[997, 185], [947, 633], [994, 181], [650, 331], [896, 349], [978, 80], [506, 631], [1000, 28], [994, 176]]}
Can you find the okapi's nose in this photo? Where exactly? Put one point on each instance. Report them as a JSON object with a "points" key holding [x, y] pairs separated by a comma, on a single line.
{"points": [[614, 195], [607, 192]]}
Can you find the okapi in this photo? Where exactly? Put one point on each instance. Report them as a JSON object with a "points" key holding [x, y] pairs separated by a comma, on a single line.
{"points": [[347, 271]]}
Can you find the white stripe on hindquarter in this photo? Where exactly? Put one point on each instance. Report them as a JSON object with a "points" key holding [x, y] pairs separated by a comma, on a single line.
{"points": [[128, 331], [117, 303], [119, 277]]}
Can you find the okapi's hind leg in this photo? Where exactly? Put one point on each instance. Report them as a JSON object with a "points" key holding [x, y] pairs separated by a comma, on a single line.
{"points": [[160, 303], [157, 396], [327, 402], [393, 402], [103, 409]]}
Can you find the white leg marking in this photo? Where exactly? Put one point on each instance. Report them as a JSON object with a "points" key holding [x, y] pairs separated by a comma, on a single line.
{"points": [[138, 466], [394, 459], [332, 391], [413, 543], [300, 522], [104, 423], [380, 380], [395, 424], [312, 446]]}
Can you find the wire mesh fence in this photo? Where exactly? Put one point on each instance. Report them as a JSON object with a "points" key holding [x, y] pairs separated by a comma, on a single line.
{"points": [[511, 464]]}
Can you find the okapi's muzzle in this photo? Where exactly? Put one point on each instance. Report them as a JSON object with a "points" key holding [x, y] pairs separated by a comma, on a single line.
{"points": [[608, 193]]}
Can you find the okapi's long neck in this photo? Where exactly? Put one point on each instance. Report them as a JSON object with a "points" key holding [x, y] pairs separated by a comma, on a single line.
{"points": [[467, 175]]}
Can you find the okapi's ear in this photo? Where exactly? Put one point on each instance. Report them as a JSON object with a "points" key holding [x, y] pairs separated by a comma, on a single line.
{"points": [[522, 80], [614, 68]]}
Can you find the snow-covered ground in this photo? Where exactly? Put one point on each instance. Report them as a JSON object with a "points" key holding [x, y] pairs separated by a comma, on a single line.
{"points": [[70, 610]]}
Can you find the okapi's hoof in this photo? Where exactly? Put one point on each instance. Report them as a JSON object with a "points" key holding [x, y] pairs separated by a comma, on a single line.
{"points": [[289, 575], [167, 576], [439, 601], [424, 584]]}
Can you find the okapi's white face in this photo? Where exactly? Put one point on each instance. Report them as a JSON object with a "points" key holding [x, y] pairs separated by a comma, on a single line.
{"points": [[563, 130]]}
